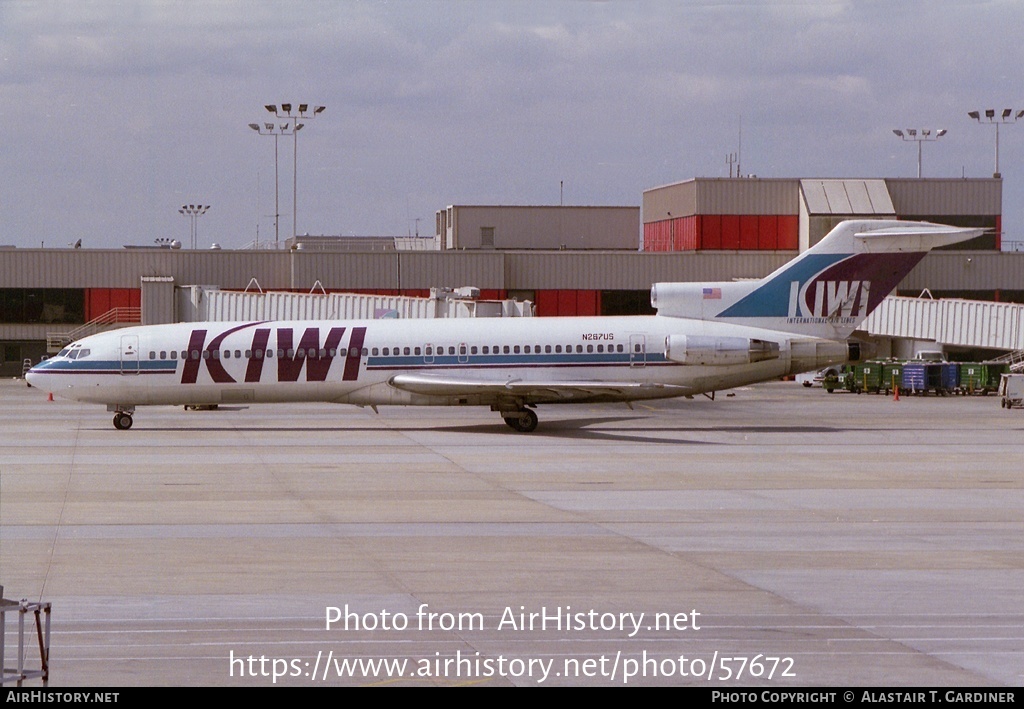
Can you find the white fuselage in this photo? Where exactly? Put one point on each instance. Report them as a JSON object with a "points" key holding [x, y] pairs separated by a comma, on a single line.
{"points": [[356, 362]]}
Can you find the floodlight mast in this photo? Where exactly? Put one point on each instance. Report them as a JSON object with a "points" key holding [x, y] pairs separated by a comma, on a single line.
{"points": [[302, 113], [275, 130], [924, 135], [1006, 116], [193, 212]]}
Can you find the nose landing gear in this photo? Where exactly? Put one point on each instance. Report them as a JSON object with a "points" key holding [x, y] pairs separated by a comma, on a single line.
{"points": [[122, 420]]}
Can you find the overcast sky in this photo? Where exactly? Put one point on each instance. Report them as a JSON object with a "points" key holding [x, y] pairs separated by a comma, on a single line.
{"points": [[115, 114]]}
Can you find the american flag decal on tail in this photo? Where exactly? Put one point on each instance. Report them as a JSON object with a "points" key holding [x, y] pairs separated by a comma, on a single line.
{"points": [[712, 294]]}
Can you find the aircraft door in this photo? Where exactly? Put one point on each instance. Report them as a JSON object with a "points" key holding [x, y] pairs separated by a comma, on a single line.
{"points": [[463, 353], [129, 354], [428, 354], [637, 350]]}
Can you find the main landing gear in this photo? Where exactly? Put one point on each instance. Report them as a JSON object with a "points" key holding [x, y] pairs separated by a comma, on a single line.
{"points": [[524, 420]]}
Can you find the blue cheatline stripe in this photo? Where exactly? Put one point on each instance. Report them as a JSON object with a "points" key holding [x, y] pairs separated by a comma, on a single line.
{"points": [[103, 366], [544, 360]]}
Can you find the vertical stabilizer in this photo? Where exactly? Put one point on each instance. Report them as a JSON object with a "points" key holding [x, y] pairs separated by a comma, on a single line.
{"points": [[826, 291]]}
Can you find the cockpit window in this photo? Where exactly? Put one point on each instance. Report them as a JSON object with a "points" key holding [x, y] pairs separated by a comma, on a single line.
{"points": [[63, 352]]}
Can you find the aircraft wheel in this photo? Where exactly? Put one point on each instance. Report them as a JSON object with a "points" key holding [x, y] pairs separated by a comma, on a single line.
{"points": [[524, 421], [122, 421]]}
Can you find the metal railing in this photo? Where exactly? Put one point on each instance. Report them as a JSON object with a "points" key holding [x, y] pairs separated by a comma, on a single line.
{"points": [[113, 318]]}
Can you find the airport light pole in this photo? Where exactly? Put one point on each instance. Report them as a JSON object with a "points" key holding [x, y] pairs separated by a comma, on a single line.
{"points": [[1007, 116], [276, 131], [302, 113], [919, 136], [193, 212]]}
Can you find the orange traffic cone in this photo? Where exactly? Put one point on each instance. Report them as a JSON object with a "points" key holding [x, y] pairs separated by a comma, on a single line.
{"points": [[49, 397], [895, 390]]}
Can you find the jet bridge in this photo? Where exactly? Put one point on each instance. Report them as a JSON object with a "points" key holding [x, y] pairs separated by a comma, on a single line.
{"points": [[951, 321]]}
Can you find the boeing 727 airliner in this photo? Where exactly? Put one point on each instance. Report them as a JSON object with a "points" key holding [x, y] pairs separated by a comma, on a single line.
{"points": [[706, 337]]}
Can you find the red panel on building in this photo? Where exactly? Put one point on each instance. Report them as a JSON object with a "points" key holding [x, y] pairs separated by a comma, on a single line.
{"points": [[711, 231], [789, 232], [748, 232], [586, 302], [999, 232], [566, 302], [546, 302], [120, 298], [768, 232], [97, 302], [730, 232]]}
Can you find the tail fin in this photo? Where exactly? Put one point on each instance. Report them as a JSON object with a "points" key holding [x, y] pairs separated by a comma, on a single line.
{"points": [[826, 291]]}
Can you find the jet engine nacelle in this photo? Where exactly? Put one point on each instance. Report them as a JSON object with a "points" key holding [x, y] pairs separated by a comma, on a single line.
{"points": [[718, 351]]}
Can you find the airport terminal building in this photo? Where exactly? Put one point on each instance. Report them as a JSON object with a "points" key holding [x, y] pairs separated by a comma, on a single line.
{"points": [[571, 260]]}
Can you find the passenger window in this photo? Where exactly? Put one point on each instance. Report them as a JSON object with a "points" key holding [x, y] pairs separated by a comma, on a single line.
{"points": [[472, 350], [300, 352], [152, 354], [506, 349], [527, 349], [374, 350], [600, 348], [406, 351], [227, 354], [515, 349], [238, 354], [590, 348], [579, 348], [417, 351]]}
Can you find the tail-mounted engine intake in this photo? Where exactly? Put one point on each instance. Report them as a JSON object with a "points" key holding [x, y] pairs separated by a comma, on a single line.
{"points": [[718, 351]]}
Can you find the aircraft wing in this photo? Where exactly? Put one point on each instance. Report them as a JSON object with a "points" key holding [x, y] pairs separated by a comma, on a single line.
{"points": [[458, 385]]}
